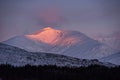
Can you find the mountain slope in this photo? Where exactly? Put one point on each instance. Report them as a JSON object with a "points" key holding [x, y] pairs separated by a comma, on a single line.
{"points": [[114, 58], [70, 43], [112, 40], [19, 57]]}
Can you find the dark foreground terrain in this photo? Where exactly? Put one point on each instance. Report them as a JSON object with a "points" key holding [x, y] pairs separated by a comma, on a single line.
{"points": [[28, 72]]}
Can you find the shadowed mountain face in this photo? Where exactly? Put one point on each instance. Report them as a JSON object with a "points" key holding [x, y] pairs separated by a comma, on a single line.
{"points": [[70, 43], [19, 57]]}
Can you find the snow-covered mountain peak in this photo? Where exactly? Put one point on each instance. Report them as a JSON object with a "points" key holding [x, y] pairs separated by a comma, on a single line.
{"points": [[46, 35], [48, 30], [70, 43], [52, 36]]}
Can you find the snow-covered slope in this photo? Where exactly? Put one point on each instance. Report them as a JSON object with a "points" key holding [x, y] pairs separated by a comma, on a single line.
{"points": [[19, 57], [112, 40], [70, 43], [114, 58]]}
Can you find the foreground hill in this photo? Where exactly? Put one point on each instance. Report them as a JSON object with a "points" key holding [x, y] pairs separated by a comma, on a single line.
{"points": [[19, 57]]}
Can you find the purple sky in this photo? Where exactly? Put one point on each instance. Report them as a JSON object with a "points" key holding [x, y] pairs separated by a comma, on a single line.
{"points": [[18, 17]]}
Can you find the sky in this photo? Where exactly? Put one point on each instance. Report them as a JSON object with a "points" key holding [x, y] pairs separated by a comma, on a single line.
{"points": [[20, 17]]}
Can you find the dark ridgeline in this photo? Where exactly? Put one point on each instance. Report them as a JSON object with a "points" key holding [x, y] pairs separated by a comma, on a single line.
{"points": [[93, 72]]}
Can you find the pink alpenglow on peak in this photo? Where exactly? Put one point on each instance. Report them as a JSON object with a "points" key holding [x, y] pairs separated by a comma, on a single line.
{"points": [[51, 36]]}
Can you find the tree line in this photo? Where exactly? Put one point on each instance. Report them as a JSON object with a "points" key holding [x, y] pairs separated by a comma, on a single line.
{"points": [[28, 72]]}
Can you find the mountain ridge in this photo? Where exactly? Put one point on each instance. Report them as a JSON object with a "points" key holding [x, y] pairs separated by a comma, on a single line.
{"points": [[114, 58], [70, 43]]}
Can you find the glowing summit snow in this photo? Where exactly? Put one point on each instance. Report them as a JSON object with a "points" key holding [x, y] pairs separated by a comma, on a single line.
{"points": [[47, 35]]}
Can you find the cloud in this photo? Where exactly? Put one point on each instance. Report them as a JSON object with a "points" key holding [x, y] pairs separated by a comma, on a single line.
{"points": [[51, 16]]}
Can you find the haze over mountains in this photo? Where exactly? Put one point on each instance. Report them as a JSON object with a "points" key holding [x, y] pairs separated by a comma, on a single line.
{"points": [[70, 43]]}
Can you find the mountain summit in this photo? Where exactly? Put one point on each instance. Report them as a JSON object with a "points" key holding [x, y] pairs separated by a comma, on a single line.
{"points": [[70, 43], [52, 36], [47, 35]]}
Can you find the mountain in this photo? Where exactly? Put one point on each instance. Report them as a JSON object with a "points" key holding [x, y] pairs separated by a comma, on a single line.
{"points": [[112, 40], [19, 57], [70, 43], [114, 58]]}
